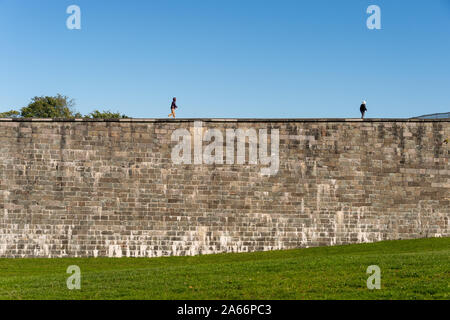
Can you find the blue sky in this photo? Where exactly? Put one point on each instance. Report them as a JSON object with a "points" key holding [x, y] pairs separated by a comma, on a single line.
{"points": [[229, 58]]}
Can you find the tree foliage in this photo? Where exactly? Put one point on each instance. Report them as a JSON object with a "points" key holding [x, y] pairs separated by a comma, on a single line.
{"points": [[58, 106], [49, 107]]}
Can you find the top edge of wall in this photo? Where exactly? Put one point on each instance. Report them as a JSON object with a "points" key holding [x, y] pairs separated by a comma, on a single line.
{"points": [[227, 120]]}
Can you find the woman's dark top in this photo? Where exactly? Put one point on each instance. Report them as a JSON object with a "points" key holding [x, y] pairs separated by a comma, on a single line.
{"points": [[363, 108], [173, 106]]}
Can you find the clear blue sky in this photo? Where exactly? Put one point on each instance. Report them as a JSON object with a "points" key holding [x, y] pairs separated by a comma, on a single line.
{"points": [[229, 58]]}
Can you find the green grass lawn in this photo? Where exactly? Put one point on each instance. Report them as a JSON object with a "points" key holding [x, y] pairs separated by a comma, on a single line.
{"points": [[410, 269]]}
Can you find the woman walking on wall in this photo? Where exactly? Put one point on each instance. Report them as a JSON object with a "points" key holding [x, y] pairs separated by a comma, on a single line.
{"points": [[173, 107]]}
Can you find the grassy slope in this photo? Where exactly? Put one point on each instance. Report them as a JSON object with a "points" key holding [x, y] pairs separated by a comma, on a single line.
{"points": [[410, 269]]}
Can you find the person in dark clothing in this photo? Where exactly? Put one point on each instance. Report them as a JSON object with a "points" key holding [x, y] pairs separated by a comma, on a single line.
{"points": [[363, 109], [173, 107]]}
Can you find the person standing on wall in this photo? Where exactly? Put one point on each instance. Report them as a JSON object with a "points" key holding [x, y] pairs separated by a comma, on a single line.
{"points": [[173, 107], [363, 109]]}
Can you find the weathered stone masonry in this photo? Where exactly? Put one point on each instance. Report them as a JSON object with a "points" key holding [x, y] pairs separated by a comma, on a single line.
{"points": [[109, 188]]}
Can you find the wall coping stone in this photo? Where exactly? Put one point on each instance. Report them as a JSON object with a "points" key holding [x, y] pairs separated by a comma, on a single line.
{"points": [[152, 120]]}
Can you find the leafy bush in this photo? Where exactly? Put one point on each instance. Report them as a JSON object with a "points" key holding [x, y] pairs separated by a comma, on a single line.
{"points": [[10, 114], [106, 115]]}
